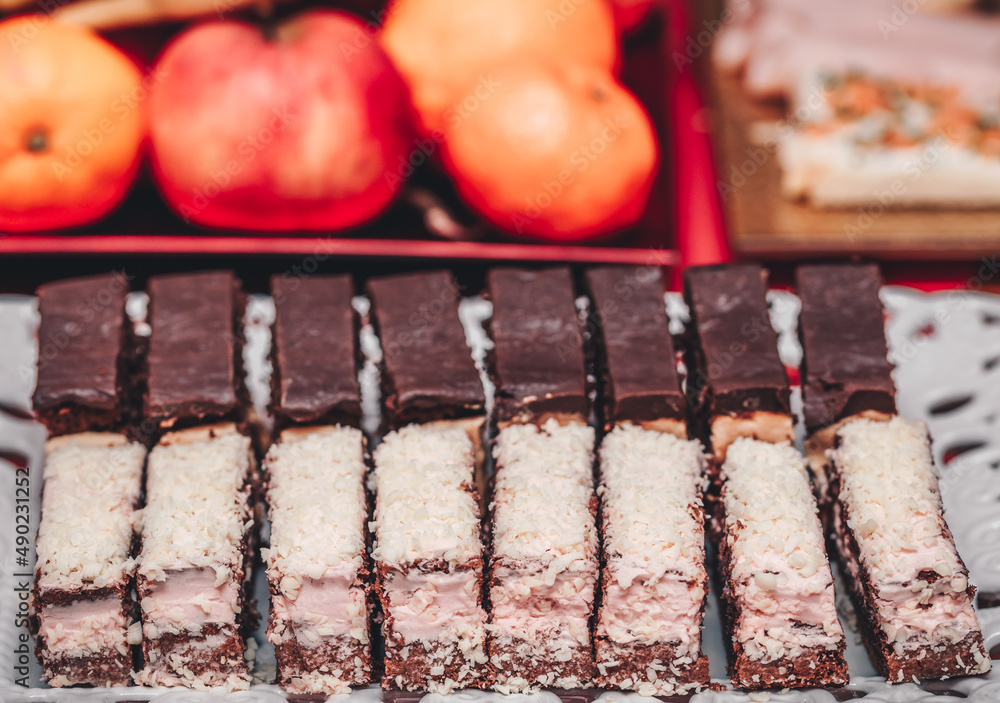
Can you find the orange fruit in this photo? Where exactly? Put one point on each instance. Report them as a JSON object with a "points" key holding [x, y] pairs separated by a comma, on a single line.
{"points": [[448, 49], [72, 123], [557, 152]]}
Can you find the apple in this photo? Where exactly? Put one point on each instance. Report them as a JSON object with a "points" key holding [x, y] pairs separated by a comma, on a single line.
{"points": [[306, 127], [630, 14]]}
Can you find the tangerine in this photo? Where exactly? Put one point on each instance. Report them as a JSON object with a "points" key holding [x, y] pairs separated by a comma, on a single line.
{"points": [[447, 50], [557, 153], [72, 124]]}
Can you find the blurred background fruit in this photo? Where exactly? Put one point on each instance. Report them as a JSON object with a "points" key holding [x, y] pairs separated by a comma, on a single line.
{"points": [[448, 49], [318, 123], [559, 152], [72, 125], [630, 14], [304, 129]]}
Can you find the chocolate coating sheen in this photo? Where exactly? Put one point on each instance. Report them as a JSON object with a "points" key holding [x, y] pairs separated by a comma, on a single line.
{"points": [[428, 373], [195, 354], [734, 365], [537, 363], [845, 366], [84, 344], [636, 352], [314, 352]]}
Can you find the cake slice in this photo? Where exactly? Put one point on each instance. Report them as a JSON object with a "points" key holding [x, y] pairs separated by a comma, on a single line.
{"points": [[84, 348], [910, 587], [195, 359], [537, 362], [779, 617], [317, 562], [737, 385], [194, 565], [635, 350], [654, 582], [845, 370], [428, 373], [428, 559], [876, 143], [314, 352], [86, 549], [543, 568]]}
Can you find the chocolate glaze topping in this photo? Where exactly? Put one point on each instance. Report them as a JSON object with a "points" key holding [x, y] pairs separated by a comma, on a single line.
{"points": [[845, 369], [194, 362], [537, 360], [83, 341], [636, 351], [734, 368], [314, 352], [427, 368]]}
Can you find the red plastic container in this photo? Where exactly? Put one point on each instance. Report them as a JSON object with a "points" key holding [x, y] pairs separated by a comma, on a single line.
{"points": [[676, 212]]}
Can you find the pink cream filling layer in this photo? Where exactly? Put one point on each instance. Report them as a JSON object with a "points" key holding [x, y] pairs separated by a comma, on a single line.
{"points": [[793, 599], [668, 610], [555, 616], [188, 599], [83, 628], [916, 609], [434, 606], [773, 605], [330, 606]]}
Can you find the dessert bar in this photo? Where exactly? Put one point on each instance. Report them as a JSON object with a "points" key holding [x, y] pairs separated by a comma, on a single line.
{"points": [[635, 350], [86, 549], [654, 582], [910, 587], [543, 568], [737, 384], [195, 360], [314, 352], [84, 346], [428, 373], [428, 559], [855, 134], [845, 369], [317, 564], [194, 565], [779, 615], [537, 362]]}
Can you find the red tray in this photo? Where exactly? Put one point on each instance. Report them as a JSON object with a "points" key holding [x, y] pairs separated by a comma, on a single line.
{"points": [[144, 224]]}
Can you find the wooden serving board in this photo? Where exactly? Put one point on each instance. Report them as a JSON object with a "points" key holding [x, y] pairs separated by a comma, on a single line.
{"points": [[764, 224]]}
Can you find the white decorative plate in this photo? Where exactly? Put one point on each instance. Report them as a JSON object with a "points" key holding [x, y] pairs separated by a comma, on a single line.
{"points": [[946, 347]]}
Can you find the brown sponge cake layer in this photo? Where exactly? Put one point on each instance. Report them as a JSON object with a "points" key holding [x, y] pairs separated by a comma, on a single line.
{"points": [[538, 669], [213, 658], [108, 666], [631, 666], [326, 666]]}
